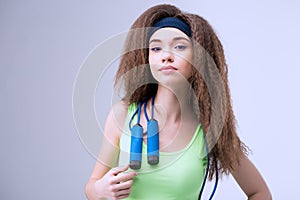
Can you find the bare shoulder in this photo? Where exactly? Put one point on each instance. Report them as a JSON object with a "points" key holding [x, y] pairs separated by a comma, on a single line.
{"points": [[115, 121], [120, 108]]}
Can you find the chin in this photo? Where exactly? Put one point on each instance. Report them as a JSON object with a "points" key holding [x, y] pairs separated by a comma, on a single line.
{"points": [[172, 83]]}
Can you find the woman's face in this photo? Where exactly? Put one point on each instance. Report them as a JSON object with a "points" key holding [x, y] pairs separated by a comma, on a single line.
{"points": [[170, 55]]}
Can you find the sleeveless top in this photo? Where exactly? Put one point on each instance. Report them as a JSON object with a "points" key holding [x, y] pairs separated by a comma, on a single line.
{"points": [[178, 175]]}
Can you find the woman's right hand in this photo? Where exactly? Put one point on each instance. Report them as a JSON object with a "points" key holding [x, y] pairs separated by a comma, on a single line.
{"points": [[115, 184]]}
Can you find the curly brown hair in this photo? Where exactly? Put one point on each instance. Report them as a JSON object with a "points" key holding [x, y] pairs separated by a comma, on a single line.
{"points": [[220, 129]]}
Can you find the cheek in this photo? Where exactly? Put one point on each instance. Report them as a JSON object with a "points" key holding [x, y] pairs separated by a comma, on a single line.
{"points": [[186, 67], [188, 57], [188, 64], [153, 59], [188, 71], [152, 64]]}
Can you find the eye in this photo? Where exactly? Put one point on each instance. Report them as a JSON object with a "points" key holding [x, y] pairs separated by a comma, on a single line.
{"points": [[155, 49], [180, 47]]}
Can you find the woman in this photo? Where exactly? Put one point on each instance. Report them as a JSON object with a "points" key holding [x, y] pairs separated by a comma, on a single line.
{"points": [[176, 71]]}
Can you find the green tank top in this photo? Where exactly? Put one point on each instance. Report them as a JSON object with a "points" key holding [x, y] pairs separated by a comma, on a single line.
{"points": [[179, 175]]}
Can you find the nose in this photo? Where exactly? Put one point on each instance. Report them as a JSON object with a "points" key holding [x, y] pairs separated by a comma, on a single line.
{"points": [[167, 56]]}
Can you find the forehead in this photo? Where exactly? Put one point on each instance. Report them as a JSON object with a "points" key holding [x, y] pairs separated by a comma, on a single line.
{"points": [[168, 33]]}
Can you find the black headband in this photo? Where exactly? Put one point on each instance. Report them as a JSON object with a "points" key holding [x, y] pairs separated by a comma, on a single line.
{"points": [[170, 22]]}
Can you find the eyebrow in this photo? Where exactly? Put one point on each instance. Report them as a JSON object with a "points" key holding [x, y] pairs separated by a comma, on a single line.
{"points": [[174, 39]]}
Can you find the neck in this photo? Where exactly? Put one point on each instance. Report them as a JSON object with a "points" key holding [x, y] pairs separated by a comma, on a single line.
{"points": [[173, 105]]}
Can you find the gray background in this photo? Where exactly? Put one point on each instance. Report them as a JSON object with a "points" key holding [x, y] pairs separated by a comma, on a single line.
{"points": [[44, 43]]}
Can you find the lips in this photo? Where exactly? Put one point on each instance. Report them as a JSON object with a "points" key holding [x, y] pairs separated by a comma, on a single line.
{"points": [[170, 67]]}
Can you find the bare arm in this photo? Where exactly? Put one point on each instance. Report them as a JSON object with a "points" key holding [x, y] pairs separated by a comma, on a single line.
{"points": [[250, 180], [107, 180]]}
